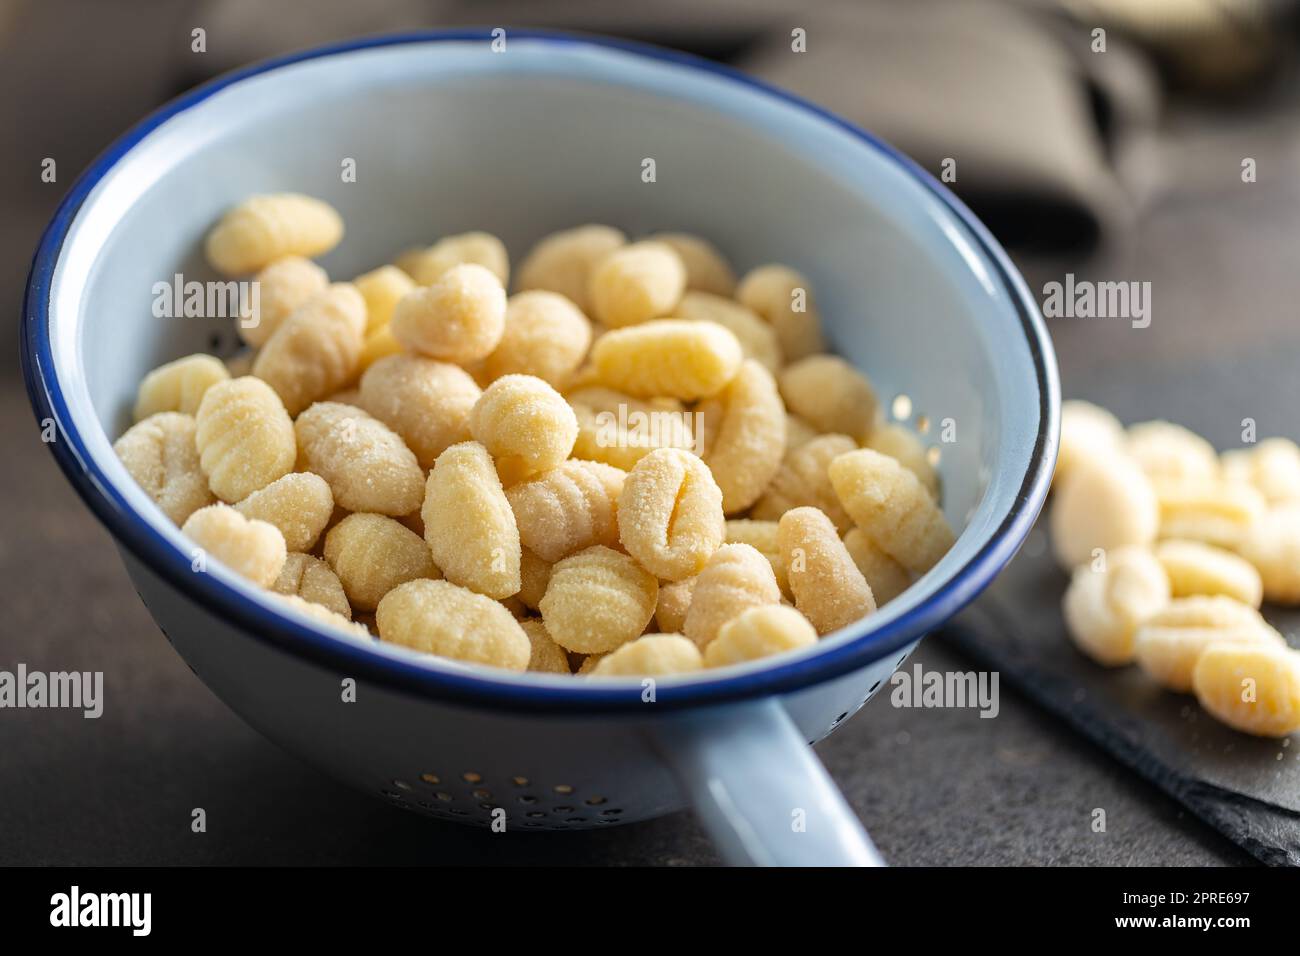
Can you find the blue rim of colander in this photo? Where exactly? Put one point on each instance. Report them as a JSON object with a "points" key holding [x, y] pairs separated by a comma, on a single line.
{"points": [[353, 659]]}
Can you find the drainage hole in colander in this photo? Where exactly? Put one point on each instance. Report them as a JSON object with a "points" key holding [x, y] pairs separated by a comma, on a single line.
{"points": [[594, 801], [443, 796], [402, 785], [611, 812], [534, 814], [840, 718], [391, 794], [564, 809], [431, 778], [469, 776], [481, 794], [519, 781], [563, 788], [576, 820], [527, 798]]}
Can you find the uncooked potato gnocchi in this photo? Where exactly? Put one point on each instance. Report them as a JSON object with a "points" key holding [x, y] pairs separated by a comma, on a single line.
{"points": [[631, 437]]}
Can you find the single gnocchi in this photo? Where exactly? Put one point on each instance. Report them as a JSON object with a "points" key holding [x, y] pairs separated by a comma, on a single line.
{"points": [[568, 508], [678, 358], [459, 318], [1197, 568], [784, 298], [282, 288], [635, 283], [299, 504], [652, 655], [597, 600], [468, 523], [367, 466], [438, 617], [545, 335], [1105, 503], [828, 588], [245, 437], [670, 514], [262, 229], [761, 631], [736, 577], [372, 554], [427, 402], [178, 386], [1254, 689], [315, 351], [747, 448], [251, 548], [160, 454], [890, 505], [524, 423], [1211, 511], [831, 395], [1106, 602]]}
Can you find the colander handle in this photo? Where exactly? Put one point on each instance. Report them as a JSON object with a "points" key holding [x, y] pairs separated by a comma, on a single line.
{"points": [[759, 790]]}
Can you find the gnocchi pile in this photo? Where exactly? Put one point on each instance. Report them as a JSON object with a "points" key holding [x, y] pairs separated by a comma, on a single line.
{"points": [[1173, 548], [633, 465]]}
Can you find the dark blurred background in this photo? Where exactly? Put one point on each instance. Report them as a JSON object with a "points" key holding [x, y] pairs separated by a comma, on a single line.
{"points": [[1116, 155]]}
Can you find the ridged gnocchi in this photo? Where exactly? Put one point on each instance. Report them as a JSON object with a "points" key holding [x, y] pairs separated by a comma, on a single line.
{"points": [[670, 514], [568, 508], [678, 358], [597, 600], [892, 507], [244, 436], [315, 350], [251, 548], [828, 588], [178, 386], [652, 655], [367, 465], [160, 454], [262, 229], [439, 617], [735, 578], [468, 523], [372, 554]]}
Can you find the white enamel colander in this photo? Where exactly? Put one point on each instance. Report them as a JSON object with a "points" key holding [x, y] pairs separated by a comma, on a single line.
{"points": [[448, 134]]}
